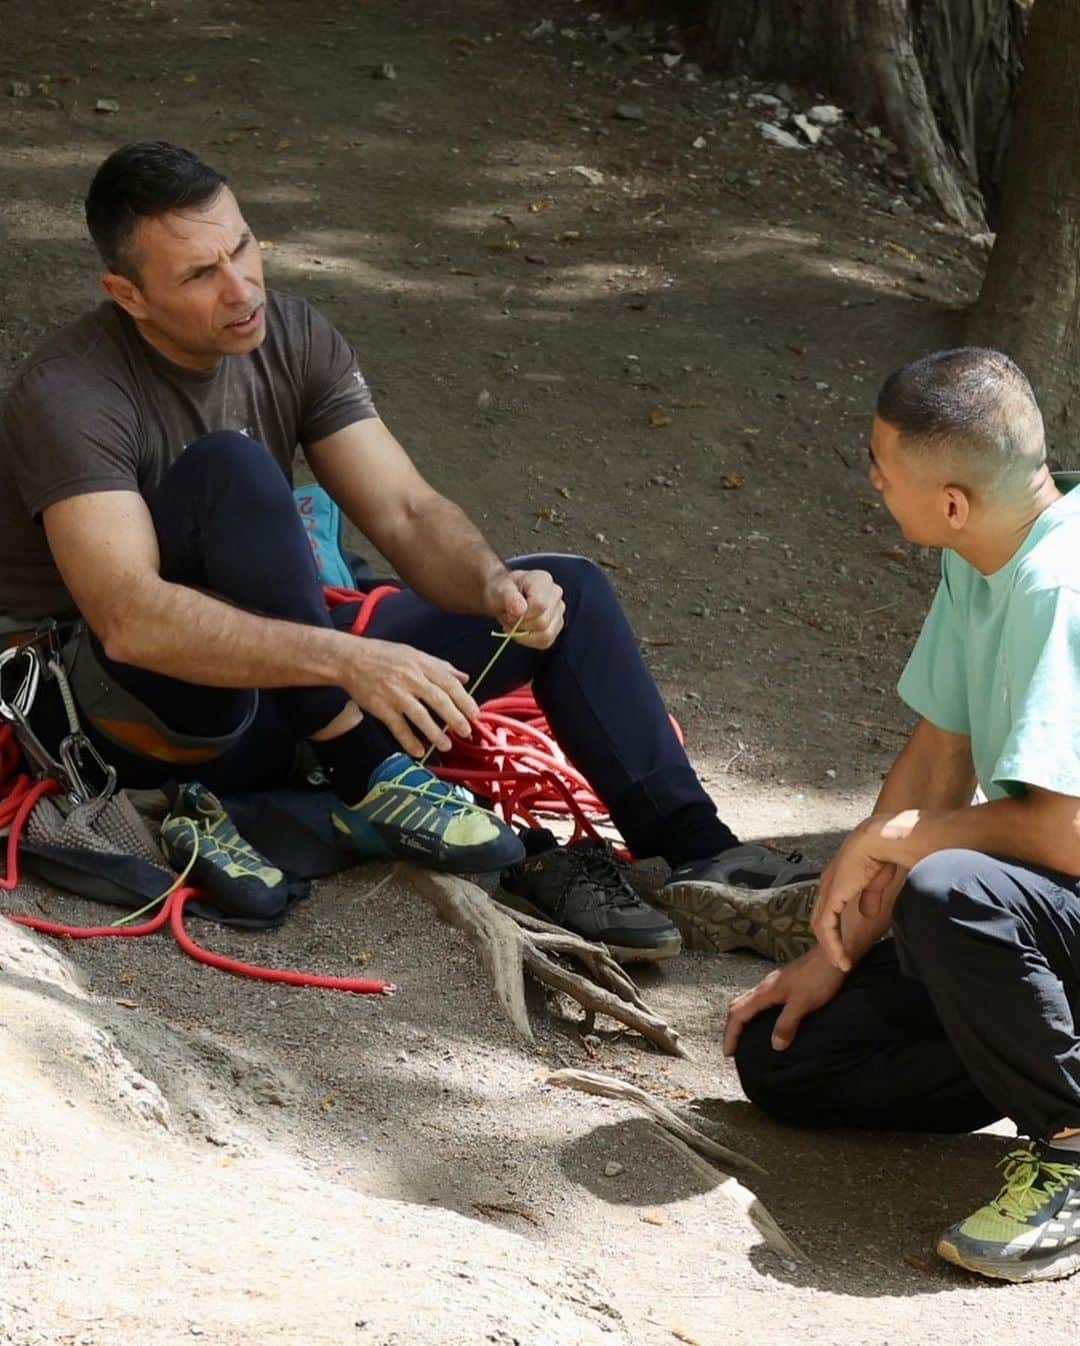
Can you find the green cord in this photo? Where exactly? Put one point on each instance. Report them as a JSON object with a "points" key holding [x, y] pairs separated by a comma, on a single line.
{"points": [[505, 638], [157, 901]]}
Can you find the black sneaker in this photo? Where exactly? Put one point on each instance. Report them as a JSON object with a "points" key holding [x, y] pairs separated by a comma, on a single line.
{"points": [[584, 889], [748, 897]]}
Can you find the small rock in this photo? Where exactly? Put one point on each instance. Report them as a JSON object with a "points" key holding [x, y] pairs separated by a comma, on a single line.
{"points": [[671, 59], [18, 88], [785, 93], [779, 137], [831, 773], [692, 72], [629, 112], [106, 105], [700, 143], [613, 1169], [483, 399], [986, 241], [763, 100], [593, 176], [826, 114], [810, 131], [545, 28], [384, 71]]}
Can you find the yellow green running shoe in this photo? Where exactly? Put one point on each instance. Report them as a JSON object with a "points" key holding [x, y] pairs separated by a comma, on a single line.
{"points": [[230, 870], [1031, 1229], [418, 817]]}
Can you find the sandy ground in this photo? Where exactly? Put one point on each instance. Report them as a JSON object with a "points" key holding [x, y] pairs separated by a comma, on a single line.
{"points": [[672, 369]]}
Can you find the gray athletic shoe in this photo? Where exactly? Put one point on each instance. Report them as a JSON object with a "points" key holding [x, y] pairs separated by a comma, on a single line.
{"points": [[746, 898]]}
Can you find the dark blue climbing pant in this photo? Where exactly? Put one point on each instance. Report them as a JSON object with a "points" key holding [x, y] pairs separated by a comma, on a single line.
{"points": [[968, 1014], [227, 523]]}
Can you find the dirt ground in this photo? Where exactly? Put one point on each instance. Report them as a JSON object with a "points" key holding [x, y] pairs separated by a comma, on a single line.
{"points": [[667, 362]]}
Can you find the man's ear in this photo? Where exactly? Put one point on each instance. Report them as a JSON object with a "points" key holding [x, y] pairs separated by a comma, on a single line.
{"points": [[956, 506], [126, 293]]}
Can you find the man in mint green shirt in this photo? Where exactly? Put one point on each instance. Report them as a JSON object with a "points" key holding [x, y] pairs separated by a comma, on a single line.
{"points": [[970, 1012]]}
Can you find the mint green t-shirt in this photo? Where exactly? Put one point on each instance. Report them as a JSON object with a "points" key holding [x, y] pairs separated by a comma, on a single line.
{"points": [[998, 659]]}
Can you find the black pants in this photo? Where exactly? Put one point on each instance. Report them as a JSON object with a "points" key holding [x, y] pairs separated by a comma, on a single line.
{"points": [[227, 523], [969, 1014]]}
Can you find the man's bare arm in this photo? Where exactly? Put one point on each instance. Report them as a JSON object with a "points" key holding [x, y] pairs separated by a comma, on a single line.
{"points": [[1041, 828], [106, 549], [430, 542], [933, 770], [428, 539]]}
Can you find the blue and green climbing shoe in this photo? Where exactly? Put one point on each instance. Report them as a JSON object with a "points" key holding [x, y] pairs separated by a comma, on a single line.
{"points": [[1031, 1229], [232, 872], [418, 817]]}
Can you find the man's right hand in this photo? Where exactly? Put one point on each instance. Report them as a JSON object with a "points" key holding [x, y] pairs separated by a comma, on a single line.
{"points": [[801, 987], [411, 692]]}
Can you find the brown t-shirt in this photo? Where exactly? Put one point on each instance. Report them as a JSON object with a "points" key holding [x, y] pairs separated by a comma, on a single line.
{"points": [[99, 409]]}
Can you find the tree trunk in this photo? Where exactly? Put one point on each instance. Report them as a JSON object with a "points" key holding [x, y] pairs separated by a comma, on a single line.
{"points": [[1030, 301], [937, 75]]}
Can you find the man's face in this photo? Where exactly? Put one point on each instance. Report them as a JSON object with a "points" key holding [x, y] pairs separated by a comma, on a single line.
{"points": [[914, 501], [199, 293]]}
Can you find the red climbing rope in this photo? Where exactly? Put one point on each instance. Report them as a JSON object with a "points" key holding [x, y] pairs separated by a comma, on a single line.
{"points": [[18, 796], [512, 759]]}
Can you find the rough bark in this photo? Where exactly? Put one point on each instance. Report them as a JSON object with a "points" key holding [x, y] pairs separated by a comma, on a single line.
{"points": [[937, 75], [1030, 300]]}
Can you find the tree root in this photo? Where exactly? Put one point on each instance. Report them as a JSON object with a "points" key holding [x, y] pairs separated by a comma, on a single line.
{"points": [[511, 943], [691, 1144]]}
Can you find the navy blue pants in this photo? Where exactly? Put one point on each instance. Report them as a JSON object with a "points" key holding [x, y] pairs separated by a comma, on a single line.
{"points": [[227, 523], [970, 1013]]}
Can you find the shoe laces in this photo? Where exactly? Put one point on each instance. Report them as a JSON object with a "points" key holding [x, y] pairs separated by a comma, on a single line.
{"points": [[204, 828], [1030, 1182], [452, 797], [597, 865]]}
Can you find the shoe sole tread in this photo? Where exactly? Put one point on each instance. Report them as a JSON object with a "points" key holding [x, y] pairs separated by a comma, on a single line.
{"points": [[718, 918]]}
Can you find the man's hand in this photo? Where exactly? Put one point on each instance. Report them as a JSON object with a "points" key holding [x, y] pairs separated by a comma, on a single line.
{"points": [[860, 872], [532, 598], [801, 987], [411, 692]]}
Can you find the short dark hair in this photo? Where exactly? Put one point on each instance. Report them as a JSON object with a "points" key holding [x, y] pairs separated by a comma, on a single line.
{"points": [[971, 411], [139, 182]]}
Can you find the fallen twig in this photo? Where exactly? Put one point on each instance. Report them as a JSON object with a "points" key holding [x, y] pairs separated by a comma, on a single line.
{"points": [[607, 1086]]}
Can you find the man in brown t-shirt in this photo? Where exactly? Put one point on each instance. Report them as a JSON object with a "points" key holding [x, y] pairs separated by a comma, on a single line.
{"points": [[145, 465]]}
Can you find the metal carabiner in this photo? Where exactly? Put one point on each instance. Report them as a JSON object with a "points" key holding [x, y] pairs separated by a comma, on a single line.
{"points": [[76, 753], [15, 710]]}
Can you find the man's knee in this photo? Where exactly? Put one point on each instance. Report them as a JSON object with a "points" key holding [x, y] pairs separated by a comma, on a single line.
{"points": [[582, 581], [936, 893], [227, 463], [773, 1081]]}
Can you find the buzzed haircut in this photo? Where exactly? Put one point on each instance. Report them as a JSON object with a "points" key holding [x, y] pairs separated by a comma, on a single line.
{"points": [[969, 414], [142, 181]]}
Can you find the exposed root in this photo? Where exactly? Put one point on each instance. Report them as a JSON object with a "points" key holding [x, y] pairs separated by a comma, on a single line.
{"points": [[511, 943]]}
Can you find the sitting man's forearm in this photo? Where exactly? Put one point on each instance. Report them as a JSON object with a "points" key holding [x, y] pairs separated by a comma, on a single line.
{"points": [[1040, 828], [185, 634], [443, 556]]}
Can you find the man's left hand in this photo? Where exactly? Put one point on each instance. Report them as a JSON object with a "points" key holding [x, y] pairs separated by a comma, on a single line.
{"points": [[532, 598], [864, 870]]}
